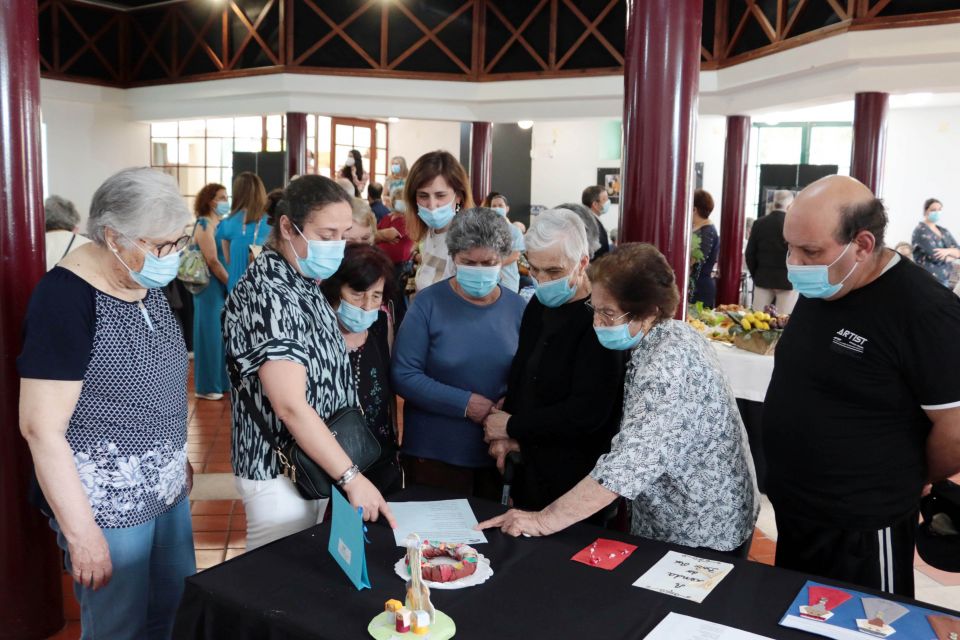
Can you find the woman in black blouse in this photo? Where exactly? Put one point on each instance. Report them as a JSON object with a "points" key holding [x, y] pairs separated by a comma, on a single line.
{"points": [[357, 292], [285, 350], [565, 390], [934, 247]]}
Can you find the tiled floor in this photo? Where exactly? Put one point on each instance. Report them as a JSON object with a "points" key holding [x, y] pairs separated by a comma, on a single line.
{"points": [[219, 522]]}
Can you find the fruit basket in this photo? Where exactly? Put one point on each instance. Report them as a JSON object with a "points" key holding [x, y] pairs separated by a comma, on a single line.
{"points": [[757, 331]]}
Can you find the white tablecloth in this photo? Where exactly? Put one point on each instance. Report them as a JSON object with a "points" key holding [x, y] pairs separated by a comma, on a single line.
{"points": [[749, 373]]}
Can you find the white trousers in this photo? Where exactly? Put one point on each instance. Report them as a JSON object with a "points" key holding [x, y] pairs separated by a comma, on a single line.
{"points": [[275, 510], [783, 299]]}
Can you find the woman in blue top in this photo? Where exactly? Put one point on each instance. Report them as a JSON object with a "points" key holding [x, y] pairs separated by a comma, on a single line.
{"points": [[247, 226], [209, 362], [704, 289], [452, 359], [103, 406]]}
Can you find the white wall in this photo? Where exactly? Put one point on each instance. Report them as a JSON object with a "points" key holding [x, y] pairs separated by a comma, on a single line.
{"points": [[89, 137], [413, 138], [921, 163], [567, 154]]}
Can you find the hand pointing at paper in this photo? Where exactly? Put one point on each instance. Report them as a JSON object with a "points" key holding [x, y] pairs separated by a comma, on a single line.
{"points": [[361, 493]]}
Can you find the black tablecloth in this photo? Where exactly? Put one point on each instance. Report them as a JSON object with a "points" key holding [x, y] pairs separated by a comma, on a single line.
{"points": [[294, 589]]}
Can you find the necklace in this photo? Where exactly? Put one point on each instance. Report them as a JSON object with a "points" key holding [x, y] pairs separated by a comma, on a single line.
{"points": [[355, 367]]}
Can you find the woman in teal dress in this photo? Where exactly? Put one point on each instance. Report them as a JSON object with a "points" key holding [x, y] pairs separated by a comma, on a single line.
{"points": [[247, 226], [209, 362]]}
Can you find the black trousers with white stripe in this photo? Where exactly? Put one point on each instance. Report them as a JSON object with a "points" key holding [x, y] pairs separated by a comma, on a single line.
{"points": [[879, 559]]}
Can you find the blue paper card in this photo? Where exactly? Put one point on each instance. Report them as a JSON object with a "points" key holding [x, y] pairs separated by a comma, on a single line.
{"points": [[346, 541]]}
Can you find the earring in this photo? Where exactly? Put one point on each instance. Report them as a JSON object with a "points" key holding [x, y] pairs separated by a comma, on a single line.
{"points": [[457, 208]]}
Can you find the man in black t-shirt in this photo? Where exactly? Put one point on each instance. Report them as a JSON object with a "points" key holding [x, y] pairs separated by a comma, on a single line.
{"points": [[863, 408]]}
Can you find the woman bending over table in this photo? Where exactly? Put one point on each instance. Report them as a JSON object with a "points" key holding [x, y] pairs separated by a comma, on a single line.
{"points": [[681, 454]]}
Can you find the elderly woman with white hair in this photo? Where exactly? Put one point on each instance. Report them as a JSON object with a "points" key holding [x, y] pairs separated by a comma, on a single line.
{"points": [[565, 390], [452, 357], [103, 407], [62, 222]]}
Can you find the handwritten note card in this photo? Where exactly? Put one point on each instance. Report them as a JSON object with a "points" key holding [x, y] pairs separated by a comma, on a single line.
{"points": [[683, 576]]}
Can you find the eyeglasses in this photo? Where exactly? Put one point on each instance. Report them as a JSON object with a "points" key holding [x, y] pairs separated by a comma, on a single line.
{"points": [[167, 248], [606, 318]]}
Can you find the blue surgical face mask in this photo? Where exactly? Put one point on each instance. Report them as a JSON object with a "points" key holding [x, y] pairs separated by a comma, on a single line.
{"points": [[501, 211], [813, 281], [355, 319], [437, 218], [934, 216], [618, 338], [399, 206], [155, 272], [556, 292], [605, 208], [395, 168], [323, 257], [223, 209], [477, 282]]}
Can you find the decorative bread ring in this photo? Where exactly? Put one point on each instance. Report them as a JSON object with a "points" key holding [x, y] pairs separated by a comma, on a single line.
{"points": [[434, 571]]}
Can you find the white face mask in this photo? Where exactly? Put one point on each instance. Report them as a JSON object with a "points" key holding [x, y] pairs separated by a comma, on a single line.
{"points": [[350, 161]]}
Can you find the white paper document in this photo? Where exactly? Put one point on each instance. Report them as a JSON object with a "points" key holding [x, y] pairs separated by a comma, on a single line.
{"points": [[680, 627], [821, 628], [683, 576], [438, 520]]}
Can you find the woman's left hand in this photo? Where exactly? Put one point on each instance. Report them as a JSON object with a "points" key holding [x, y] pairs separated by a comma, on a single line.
{"points": [[516, 523], [495, 426], [189, 477]]}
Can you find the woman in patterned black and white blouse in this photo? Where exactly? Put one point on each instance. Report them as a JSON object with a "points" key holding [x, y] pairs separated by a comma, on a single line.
{"points": [[285, 349], [103, 406], [681, 454]]}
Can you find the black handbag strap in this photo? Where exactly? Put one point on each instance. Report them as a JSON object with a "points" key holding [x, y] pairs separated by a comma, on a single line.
{"points": [[257, 416], [72, 238]]}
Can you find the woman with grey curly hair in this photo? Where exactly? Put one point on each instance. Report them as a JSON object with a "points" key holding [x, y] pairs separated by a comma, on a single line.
{"points": [[452, 358], [104, 409]]}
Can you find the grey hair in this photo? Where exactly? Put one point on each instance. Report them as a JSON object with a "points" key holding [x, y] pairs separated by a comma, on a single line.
{"points": [[60, 214], [346, 185], [782, 199], [479, 227], [138, 203], [589, 223], [362, 213], [558, 227]]}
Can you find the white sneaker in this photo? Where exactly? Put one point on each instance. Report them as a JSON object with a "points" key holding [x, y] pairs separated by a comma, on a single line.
{"points": [[210, 396]]}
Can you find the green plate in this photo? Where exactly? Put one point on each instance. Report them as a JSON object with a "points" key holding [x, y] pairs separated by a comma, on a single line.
{"points": [[384, 627]]}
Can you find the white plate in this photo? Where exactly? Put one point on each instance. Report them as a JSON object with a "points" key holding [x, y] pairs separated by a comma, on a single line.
{"points": [[481, 575]]}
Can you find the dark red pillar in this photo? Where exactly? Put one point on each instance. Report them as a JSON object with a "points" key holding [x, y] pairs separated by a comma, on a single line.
{"points": [[481, 160], [869, 139], [661, 81], [296, 144], [736, 158], [31, 604]]}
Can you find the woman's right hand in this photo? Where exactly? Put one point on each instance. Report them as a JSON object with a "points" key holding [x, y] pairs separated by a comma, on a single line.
{"points": [[90, 558], [361, 493]]}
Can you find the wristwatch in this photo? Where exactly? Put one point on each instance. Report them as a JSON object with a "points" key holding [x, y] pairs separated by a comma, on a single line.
{"points": [[348, 475]]}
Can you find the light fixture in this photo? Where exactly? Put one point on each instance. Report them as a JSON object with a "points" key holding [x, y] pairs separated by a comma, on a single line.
{"points": [[525, 124], [393, 119]]}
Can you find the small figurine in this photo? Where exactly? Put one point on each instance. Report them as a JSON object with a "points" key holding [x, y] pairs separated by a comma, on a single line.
{"points": [[421, 622], [392, 606], [418, 593], [404, 616]]}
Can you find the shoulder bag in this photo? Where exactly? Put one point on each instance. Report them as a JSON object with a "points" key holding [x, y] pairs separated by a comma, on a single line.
{"points": [[193, 272], [348, 426]]}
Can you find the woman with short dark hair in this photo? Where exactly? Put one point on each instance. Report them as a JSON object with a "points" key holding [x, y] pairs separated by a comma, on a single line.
{"points": [[357, 293], [703, 288], [285, 351], [681, 454]]}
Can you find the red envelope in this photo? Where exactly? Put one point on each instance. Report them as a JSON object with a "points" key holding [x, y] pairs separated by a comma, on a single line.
{"points": [[605, 554]]}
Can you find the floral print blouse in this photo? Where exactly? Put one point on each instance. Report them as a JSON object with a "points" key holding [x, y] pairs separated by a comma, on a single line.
{"points": [[925, 242], [681, 454]]}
